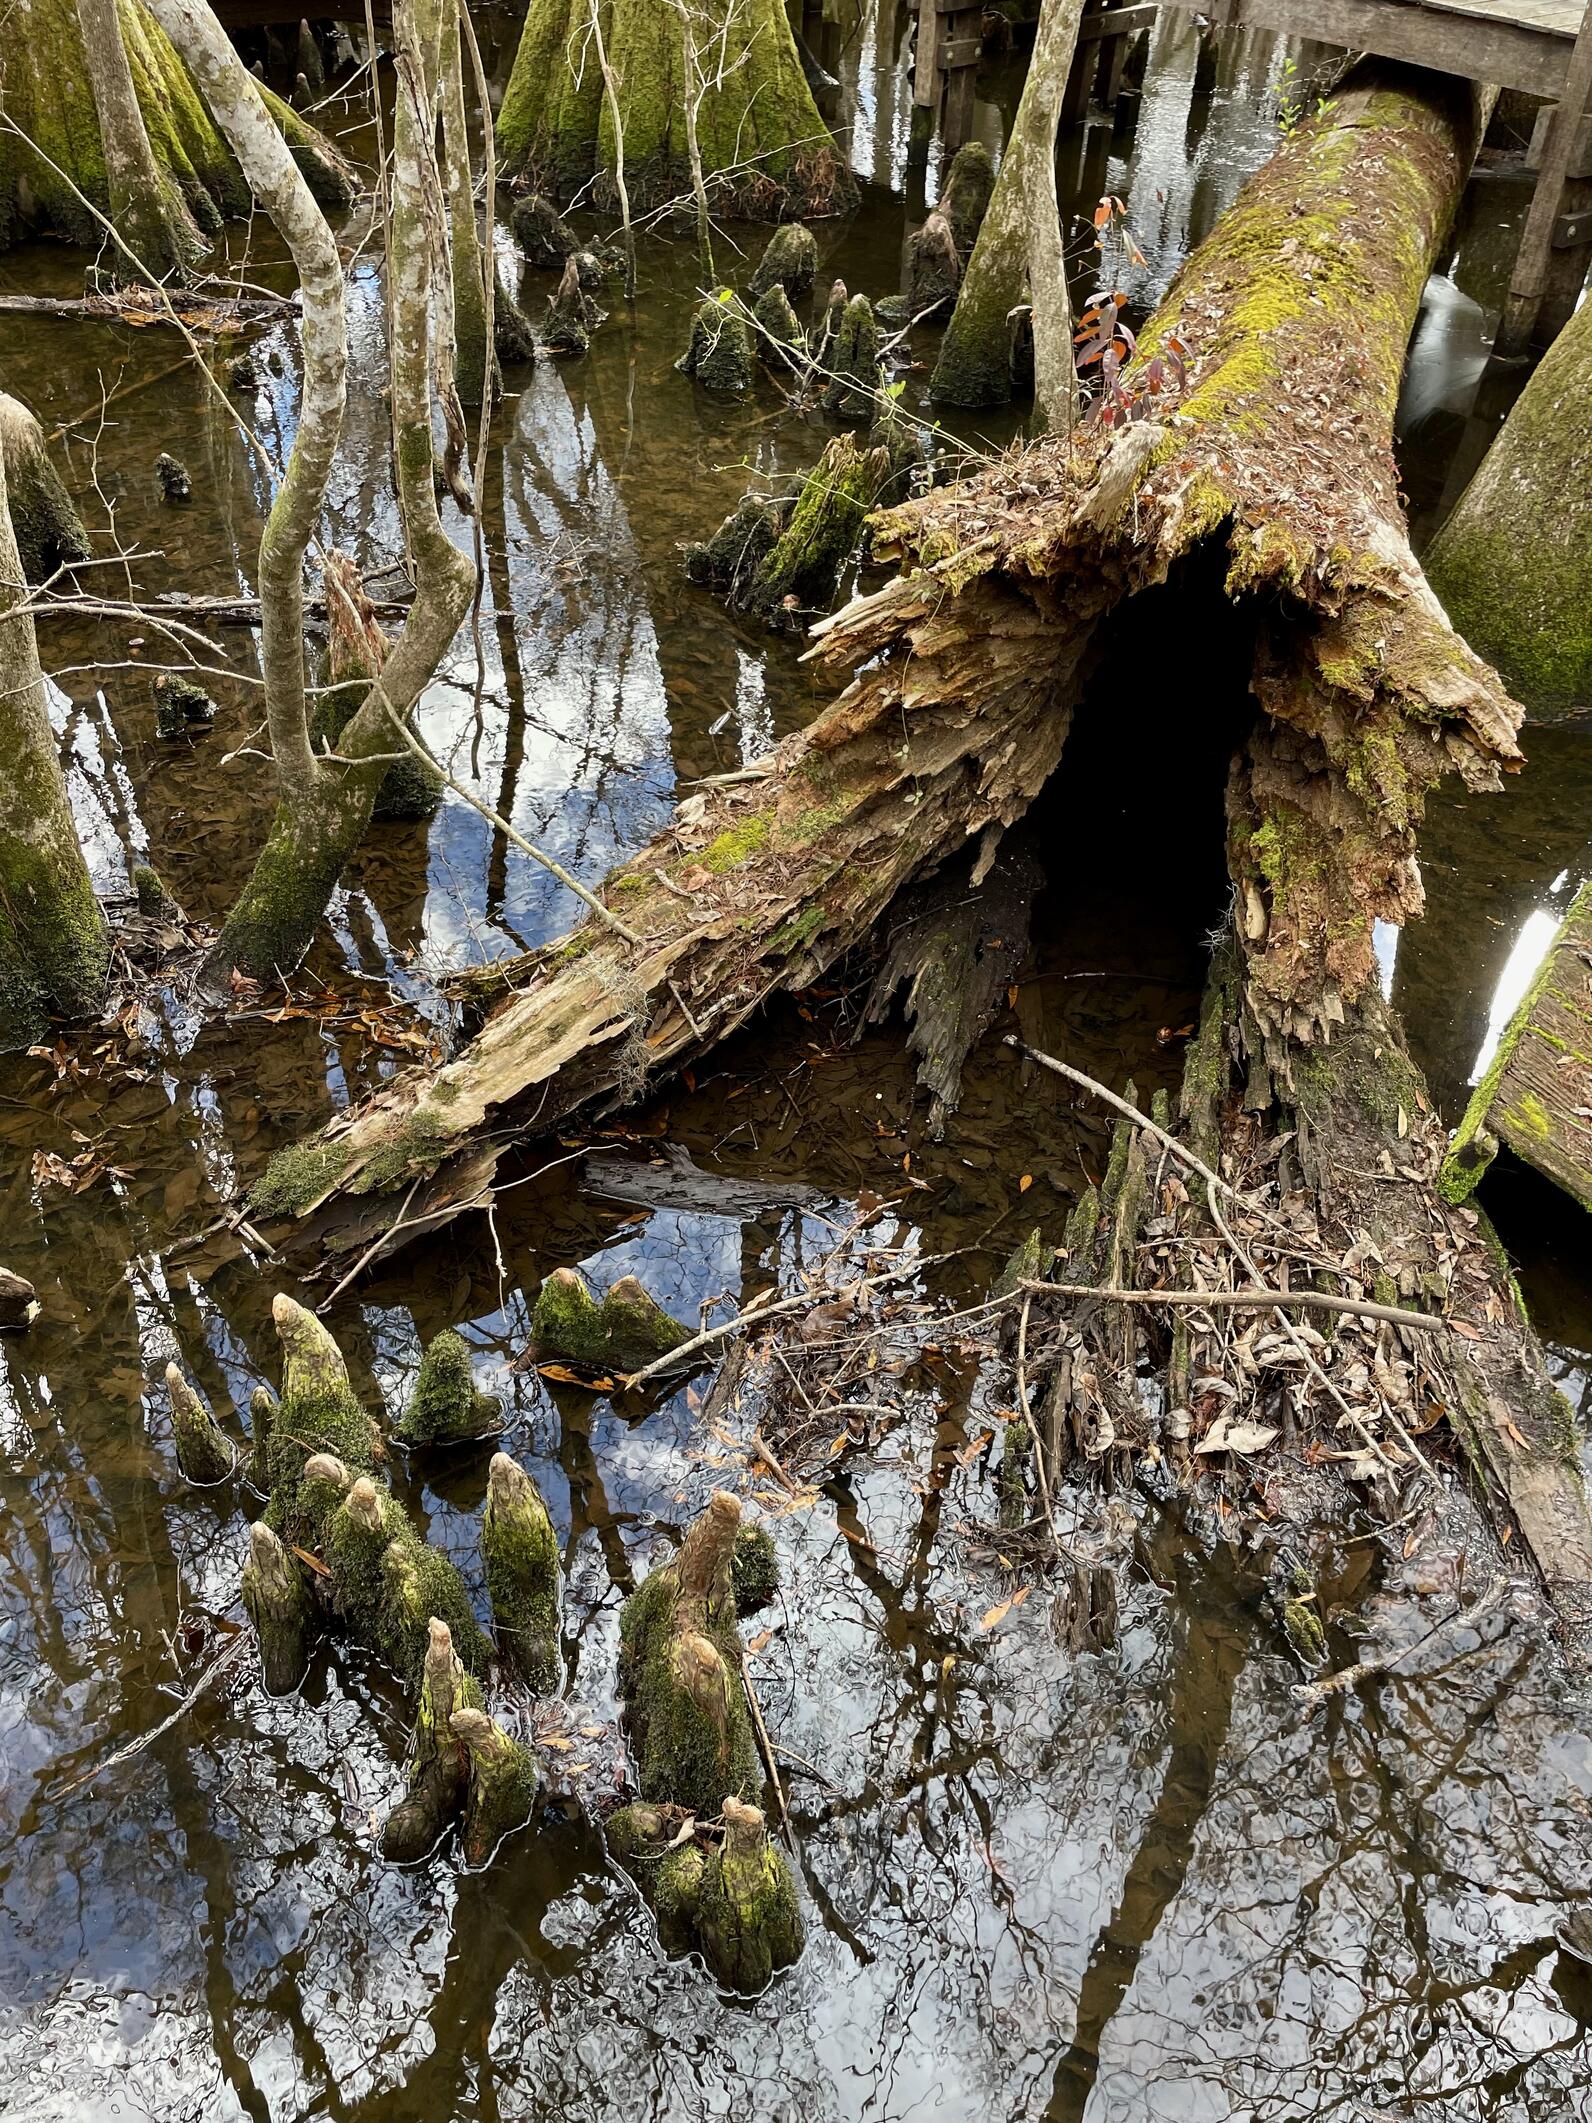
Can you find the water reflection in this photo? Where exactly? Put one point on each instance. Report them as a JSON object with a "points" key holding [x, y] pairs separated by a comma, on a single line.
{"points": [[1120, 1888]]}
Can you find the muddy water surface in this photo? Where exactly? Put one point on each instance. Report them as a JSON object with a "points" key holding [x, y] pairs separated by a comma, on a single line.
{"points": [[1114, 1889]]}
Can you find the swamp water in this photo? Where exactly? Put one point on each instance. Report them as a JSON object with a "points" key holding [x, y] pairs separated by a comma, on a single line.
{"points": [[1118, 1888]]}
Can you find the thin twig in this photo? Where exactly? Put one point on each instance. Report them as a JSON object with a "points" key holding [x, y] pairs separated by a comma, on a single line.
{"points": [[1257, 1300], [219, 1665], [1313, 1693]]}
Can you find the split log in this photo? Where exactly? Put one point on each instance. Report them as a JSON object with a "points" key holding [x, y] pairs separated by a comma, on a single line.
{"points": [[1276, 459]]}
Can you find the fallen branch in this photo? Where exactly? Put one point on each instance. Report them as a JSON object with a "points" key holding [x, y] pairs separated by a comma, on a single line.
{"points": [[1313, 1693], [1256, 1300], [221, 1664]]}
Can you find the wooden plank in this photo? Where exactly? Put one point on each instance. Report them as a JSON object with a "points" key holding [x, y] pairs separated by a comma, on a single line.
{"points": [[1529, 281], [1465, 37], [1537, 1095], [925, 67], [1116, 22]]}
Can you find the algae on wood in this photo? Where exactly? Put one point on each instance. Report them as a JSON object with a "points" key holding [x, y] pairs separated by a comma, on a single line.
{"points": [[1537, 1093]]}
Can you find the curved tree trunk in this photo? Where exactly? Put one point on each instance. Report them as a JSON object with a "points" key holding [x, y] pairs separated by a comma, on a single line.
{"points": [[765, 151], [53, 945], [150, 217], [1513, 564], [324, 805], [1017, 258]]}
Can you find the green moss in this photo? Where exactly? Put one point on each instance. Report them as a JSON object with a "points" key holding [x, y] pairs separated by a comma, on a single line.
{"points": [[754, 1570], [686, 1756], [1302, 1627], [789, 263], [747, 1920], [414, 1148], [297, 1177], [738, 843], [520, 1551], [387, 1582], [445, 1408], [802, 570], [797, 932], [624, 1333], [855, 381], [1531, 1116]]}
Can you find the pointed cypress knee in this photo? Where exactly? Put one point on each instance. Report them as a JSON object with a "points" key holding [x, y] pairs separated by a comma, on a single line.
{"points": [[680, 1673], [279, 1607], [520, 1551], [204, 1451], [748, 1924], [264, 1409], [439, 1770], [504, 1781]]}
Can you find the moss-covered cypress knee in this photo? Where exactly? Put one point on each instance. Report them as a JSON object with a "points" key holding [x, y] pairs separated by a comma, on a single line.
{"points": [[545, 238], [279, 1607], [571, 315], [852, 390], [728, 561], [934, 267], [965, 196], [628, 1330], [789, 261], [204, 1451], [669, 1873], [520, 1551], [319, 1412], [720, 354], [1017, 1453], [754, 1570], [781, 342], [49, 531], [504, 1781], [512, 331], [680, 1673], [748, 1923], [387, 1582], [439, 1766], [803, 568], [445, 1407]]}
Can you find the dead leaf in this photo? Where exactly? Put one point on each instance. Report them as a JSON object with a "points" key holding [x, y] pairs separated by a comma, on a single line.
{"points": [[1025, 1183], [1229, 1434], [996, 1615]]}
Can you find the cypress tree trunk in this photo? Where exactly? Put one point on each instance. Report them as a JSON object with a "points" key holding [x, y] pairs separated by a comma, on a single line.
{"points": [[149, 214], [1513, 564], [1017, 258], [56, 160], [765, 152], [476, 366], [53, 945]]}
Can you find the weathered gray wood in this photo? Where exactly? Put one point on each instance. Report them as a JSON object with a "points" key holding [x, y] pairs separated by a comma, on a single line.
{"points": [[1529, 281], [1526, 44]]}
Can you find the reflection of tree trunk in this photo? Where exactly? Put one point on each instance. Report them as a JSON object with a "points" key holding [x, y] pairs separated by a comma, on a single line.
{"points": [[1213, 1655]]}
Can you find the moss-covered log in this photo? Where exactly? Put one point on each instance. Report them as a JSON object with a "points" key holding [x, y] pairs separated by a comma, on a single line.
{"points": [[1536, 1095], [680, 1674], [59, 160], [439, 1761], [205, 1453], [1513, 564], [446, 1408], [49, 532], [279, 1607], [504, 1782], [1275, 462], [765, 151], [1017, 261], [627, 1330], [520, 1552]]}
